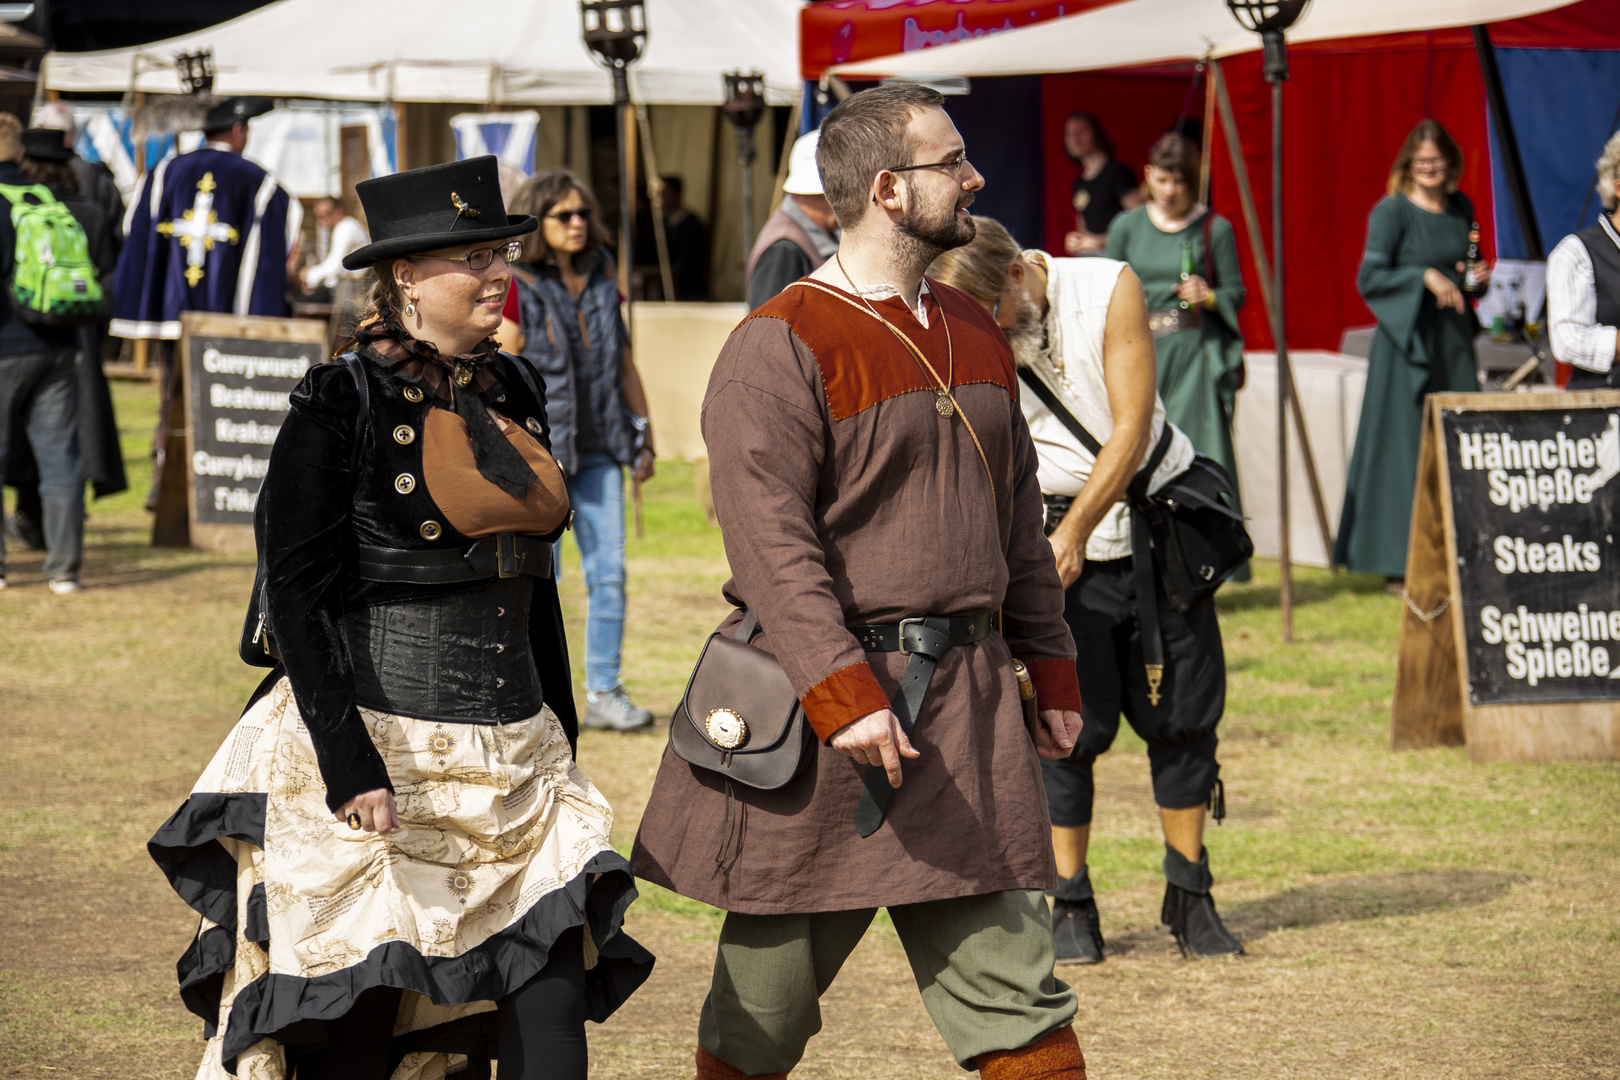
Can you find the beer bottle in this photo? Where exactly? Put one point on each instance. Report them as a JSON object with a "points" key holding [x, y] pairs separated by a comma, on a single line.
{"points": [[1473, 266], [1186, 266]]}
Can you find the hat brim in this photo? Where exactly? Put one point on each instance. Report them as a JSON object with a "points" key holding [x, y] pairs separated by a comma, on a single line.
{"points": [[51, 154], [398, 247]]}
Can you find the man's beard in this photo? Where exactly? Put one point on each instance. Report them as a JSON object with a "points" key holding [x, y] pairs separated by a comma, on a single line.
{"points": [[1027, 336], [923, 235]]}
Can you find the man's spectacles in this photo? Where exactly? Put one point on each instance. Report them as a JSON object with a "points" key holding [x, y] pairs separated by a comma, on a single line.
{"points": [[480, 258], [584, 214], [954, 165]]}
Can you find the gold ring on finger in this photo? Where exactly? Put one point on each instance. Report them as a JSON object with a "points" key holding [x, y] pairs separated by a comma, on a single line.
{"points": [[354, 821]]}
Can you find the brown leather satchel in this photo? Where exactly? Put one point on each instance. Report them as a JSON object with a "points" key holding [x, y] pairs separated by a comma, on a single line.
{"points": [[739, 716]]}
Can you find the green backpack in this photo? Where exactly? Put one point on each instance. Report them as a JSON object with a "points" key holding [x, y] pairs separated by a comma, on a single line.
{"points": [[53, 283]]}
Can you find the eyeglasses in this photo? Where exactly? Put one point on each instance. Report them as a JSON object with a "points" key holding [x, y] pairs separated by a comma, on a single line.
{"points": [[954, 165], [1429, 164], [480, 258], [584, 214]]}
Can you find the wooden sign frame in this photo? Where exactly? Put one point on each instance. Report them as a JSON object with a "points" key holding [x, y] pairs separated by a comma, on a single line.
{"points": [[1431, 705], [215, 536]]}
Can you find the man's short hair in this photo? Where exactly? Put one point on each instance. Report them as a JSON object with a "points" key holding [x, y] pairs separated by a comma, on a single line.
{"points": [[675, 186], [11, 130], [862, 136], [1608, 170], [328, 201]]}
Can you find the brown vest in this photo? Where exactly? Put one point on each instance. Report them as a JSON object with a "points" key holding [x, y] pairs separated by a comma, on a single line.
{"points": [[779, 226]]}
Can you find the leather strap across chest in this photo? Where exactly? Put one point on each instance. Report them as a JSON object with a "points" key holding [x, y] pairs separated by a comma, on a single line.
{"points": [[926, 639]]}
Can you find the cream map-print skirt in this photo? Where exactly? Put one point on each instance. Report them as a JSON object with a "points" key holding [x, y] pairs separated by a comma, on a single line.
{"points": [[502, 845]]}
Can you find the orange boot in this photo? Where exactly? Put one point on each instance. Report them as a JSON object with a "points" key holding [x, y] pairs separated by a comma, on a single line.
{"points": [[710, 1067], [1056, 1057]]}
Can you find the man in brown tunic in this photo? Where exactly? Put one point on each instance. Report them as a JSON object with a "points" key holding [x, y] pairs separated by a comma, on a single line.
{"points": [[870, 464]]}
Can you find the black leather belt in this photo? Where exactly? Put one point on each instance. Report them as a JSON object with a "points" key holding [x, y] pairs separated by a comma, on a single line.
{"points": [[503, 555], [905, 636], [926, 639]]}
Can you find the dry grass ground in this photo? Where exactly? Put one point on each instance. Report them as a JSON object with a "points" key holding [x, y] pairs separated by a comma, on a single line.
{"points": [[1405, 914]]}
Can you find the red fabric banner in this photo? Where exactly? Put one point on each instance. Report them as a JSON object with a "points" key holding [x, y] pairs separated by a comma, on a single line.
{"points": [[839, 31]]}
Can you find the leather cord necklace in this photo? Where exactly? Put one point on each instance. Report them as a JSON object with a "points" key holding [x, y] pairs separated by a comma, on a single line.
{"points": [[944, 401]]}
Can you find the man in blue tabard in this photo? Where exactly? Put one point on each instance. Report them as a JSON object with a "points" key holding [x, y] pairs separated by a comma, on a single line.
{"points": [[207, 231]]}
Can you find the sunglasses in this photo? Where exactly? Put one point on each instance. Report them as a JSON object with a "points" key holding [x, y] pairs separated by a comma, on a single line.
{"points": [[584, 214], [482, 257]]}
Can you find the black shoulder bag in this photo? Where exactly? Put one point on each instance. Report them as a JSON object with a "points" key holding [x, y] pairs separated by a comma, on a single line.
{"points": [[258, 647], [1187, 534]]}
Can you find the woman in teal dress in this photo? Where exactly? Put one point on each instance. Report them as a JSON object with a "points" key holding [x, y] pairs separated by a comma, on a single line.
{"points": [[1411, 277], [1193, 297]]}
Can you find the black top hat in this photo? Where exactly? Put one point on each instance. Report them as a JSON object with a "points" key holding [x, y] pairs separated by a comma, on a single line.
{"points": [[46, 144], [234, 110], [437, 207]]}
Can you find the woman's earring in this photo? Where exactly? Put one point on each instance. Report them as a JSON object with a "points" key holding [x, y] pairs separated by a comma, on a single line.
{"points": [[410, 308]]}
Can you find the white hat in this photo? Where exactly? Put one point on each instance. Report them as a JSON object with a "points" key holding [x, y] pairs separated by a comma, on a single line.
{"points": [[803, 177]]}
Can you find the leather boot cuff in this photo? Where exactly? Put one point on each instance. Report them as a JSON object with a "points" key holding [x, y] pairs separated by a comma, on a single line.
{"points": [[1193, 877], [1054, 1057], [1074, 889], [710, 1067]]}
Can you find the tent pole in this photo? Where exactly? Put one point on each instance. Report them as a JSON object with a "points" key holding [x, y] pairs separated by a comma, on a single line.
{"points": [[655, 190], [624, 112], [787, 154], [1285, 381], [1262, 264], [1208, 148], [1513, 162]]}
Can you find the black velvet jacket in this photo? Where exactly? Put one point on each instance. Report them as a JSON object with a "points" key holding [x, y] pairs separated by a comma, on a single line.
{"points": [[312, 514]]}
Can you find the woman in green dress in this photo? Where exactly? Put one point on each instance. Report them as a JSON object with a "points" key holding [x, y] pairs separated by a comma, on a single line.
{"points": [[1186, 257], [1411, 277]]}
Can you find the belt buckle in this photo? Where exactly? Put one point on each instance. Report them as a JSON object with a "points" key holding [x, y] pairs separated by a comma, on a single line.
{"points": [[918, 620], [508, 563]]}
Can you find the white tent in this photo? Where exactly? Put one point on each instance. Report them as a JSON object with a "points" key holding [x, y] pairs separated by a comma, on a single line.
{"points": [[1138, 32], [515, 52]]}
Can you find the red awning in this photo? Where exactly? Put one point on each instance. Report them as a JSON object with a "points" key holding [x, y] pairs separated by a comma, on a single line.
{"points": [[839, 31]]}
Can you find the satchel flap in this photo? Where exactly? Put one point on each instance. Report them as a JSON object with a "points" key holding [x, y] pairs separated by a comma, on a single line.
{"points": [[748, 682]]}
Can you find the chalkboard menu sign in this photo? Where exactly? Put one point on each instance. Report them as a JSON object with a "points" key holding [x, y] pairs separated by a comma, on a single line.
{"points": [[1513, 542], [240, 371], [1535, 524]]}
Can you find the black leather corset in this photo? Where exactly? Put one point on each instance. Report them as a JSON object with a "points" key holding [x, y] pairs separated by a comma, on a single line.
{"points": [[463, 657]]}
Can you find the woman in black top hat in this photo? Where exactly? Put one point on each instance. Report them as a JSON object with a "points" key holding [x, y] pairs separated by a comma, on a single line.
{"points": [[394, 852]]}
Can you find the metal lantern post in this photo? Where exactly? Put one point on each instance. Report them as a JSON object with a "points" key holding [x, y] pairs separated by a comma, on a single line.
{"points": [[1269, 18], [616, 33], [744, 107]]}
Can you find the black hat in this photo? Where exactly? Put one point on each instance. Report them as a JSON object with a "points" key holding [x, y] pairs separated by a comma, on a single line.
{"points": [[46, 144], [437, 207], [234, 110]]}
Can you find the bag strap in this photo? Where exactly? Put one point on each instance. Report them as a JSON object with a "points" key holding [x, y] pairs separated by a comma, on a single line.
{"points": [[1049, 398], [1209, 251], [357, 371]]}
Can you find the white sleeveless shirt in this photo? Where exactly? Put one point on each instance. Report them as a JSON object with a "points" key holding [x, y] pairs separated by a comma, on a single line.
{"points": [[1077, 294]]}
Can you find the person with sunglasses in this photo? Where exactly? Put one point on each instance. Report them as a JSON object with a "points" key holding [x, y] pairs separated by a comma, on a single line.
{"points": [[394, 852], [1412, 278], [568, 303]]}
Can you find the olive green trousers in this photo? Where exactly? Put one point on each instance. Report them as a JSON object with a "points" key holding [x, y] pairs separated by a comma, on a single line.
{"points": [[982, 963]]}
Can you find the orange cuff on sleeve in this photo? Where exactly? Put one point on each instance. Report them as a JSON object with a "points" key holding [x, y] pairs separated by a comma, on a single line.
{"points": [[1057, 684], [847, 695]]}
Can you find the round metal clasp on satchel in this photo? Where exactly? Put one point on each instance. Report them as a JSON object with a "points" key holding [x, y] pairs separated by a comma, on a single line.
{"points": [[726, 728]]}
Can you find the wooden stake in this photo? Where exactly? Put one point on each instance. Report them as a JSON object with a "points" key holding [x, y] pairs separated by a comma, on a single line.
{"points": [[1262, 264], [635, 500], [655, 192]]}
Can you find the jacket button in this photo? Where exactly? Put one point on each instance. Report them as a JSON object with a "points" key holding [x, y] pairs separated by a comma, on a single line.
{"points": [[430, 530], [404, 483], [532, 424], [500, 648], [413, 394], [499, 612], [404, 435], [500, 682]]}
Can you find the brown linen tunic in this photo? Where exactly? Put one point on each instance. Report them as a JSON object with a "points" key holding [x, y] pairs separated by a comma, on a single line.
{"points": [[844, 497]]}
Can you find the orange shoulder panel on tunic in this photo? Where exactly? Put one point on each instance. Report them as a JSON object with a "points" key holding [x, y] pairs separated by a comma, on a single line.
{"points": [[471, 503], [839, 334]]}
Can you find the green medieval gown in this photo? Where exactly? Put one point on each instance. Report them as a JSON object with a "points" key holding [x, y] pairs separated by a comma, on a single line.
{"points": [[1198, 369], [1417, 350]]}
